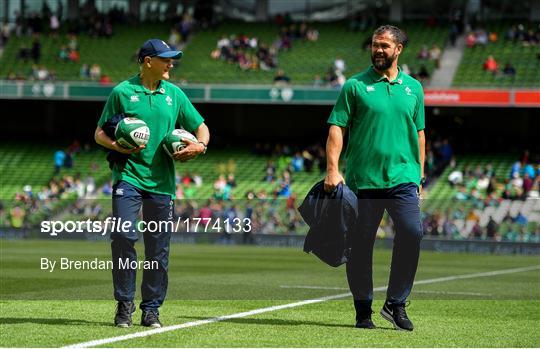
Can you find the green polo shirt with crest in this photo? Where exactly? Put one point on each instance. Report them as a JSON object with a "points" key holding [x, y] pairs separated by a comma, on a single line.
{"points": [[163, 110], [383, 118]]}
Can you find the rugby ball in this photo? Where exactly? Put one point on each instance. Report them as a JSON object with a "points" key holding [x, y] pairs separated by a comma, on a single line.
{"points": [[174, 141], [131, 133]]}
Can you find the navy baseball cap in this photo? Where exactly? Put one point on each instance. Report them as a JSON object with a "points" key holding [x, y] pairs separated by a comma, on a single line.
{"points": [[159, 48]]}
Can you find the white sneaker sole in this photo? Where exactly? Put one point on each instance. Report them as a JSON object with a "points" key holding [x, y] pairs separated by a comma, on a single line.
{"points": [[388, 317]]}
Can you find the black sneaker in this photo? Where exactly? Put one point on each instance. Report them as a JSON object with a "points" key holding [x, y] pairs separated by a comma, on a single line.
{"points": [[397, 315], [365, 323], [123, 314], [150, 318], [363, 314]]}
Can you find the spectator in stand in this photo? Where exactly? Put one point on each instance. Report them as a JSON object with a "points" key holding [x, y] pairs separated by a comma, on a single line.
{"points": [[423, 54], [54, 25], [281, 79], [95, 72], [312, 34], [41, 73], [490, 65], [16, 216], [297, 162], [423, 74], [11, 76], [270, 172], [435, 54], [527, 185], [24, 53], [36, 49], [51, 76], [205, 213], [481, 37], [339, 65], [453, 34], [63, 54], [74, 56], [470, 40], [317, 81], [509, 70], [186, 26], [59, 159], [220, 183], [73, 44], [491, 228], [84, 72], [231, 181], [5, 33], [174, 39], [105, 80]]}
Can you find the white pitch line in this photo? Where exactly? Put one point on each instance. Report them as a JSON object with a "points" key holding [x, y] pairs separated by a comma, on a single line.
{"points": [[283, 306], [456, 293], [415, 291], [314, 287]]}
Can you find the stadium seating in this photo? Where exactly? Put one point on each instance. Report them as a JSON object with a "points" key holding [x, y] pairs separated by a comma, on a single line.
{"points": [[441, 199], [33, 165], [523, 58], [301, 63]]}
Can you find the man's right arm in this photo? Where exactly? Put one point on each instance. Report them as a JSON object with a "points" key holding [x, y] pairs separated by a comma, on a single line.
{"points": [[102, 139], [334, 145]]}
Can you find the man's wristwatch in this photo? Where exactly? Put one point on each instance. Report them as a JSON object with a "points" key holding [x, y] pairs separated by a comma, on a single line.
{"points": [[204, 145], [423, 180]]}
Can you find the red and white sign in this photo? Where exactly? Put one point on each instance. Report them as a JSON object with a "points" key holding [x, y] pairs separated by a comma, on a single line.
{"points": [[496, 98]]}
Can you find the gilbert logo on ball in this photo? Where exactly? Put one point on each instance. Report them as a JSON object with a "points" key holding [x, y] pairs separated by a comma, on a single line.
{"points": [[131, 133], [174, 141]]}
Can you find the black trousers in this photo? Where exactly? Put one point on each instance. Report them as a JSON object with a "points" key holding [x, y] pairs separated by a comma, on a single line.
{"points": [[127, 203], [403, 205]]}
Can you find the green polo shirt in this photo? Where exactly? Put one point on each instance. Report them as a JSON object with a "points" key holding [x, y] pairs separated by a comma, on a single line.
{"points": [[383, 118], [152, 169]]}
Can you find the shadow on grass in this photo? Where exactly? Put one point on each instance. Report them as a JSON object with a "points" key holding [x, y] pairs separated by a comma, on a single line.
{"points": [[280, 322], [47, 321]]}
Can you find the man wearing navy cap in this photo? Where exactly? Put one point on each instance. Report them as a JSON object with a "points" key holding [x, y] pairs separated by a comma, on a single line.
{"points": [[147, 179]]}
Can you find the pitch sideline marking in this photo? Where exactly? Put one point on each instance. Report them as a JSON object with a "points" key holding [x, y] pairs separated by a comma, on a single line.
{"points": [[414, 291], [283, 306]]}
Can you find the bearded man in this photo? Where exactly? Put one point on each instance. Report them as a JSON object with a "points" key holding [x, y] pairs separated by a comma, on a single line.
{"points": [[383, 109]]}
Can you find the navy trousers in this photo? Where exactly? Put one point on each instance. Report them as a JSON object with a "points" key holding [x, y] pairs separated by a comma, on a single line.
{"points": [[403, 205], [127, 202]]}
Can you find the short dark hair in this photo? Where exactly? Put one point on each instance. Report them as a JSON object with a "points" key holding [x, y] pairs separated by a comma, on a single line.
{"points": [[399, 35]]}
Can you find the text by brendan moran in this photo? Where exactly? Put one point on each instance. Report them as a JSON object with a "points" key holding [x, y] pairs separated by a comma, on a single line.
{"points": [[96, 264]]}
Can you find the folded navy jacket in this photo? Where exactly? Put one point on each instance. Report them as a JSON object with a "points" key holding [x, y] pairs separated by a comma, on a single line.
{"points": [[330, 217], [113, 157]]}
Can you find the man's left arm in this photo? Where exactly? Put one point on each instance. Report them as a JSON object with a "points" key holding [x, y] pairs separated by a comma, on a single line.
{"points": [[419, 121], [422, 146], [194, 148], [192, 121]]}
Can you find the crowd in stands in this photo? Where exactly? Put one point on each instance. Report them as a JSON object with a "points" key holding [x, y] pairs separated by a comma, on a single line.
{"points": [[491, 65], [250, 53], [525, 36], [483, 188], [31, 200], [334, 76], [459, 224], [480, 37], [91, 23]]}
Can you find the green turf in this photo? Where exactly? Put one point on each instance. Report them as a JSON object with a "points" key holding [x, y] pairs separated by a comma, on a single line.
{"points": [[40, 308]]}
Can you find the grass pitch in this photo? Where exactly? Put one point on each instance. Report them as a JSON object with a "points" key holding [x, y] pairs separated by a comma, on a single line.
{"points": [[44, 309]]}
